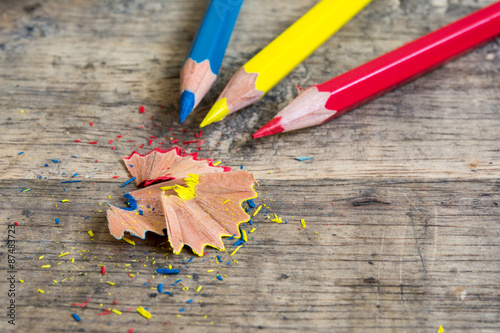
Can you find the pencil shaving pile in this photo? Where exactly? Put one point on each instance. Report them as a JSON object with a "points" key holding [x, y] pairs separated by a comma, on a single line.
{"points": [[195, 201]]}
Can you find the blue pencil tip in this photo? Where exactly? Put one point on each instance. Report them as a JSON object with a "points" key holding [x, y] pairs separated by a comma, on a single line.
{"points": [[187, 104]]}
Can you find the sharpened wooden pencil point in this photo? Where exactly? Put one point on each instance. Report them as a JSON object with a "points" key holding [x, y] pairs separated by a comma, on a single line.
{"points": [[306, 110], [205, 56], [187, 104], [272, 127], [216, 113]]}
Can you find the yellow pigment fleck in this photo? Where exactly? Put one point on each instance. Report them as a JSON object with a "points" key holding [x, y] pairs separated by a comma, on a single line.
{"points": [[303, 222], [277, 219], [257, 210], [235, 250], [144, 312], [128, 241]]}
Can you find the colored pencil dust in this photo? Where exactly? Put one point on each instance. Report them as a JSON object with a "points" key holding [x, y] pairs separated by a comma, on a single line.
{"points": [[261, 73], [321, 103], [207, 51]]}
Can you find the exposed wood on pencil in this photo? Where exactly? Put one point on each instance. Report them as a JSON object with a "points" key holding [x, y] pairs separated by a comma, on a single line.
{"points": [[240, 92], [196, 78]]}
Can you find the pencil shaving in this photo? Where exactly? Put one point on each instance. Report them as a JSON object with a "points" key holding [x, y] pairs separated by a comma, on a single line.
{"points": [[196, 209]]}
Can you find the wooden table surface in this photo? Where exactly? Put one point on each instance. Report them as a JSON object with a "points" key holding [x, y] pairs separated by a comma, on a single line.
{"points": [[401, 198]]}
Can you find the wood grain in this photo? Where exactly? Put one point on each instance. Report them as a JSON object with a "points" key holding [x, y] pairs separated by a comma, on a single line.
{"points": [[403, 193]]}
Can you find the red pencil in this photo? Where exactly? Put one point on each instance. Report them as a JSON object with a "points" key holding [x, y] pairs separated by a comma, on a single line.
{"points": [[323, 102]]}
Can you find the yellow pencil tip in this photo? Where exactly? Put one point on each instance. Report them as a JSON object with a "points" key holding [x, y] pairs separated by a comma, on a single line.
{"points": [[216, 113]]}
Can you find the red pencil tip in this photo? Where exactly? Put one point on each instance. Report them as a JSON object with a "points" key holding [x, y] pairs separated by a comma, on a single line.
{"points": [[272, 127]]}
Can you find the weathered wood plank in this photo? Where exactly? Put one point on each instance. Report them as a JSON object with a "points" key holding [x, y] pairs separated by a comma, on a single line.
{"points": [[100, 62], [388, 254], [403, 193]]}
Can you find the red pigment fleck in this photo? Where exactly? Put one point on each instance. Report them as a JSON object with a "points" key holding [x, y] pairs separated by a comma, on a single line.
{"points": [[142, 126], [153, 137], [170, 129], [141, 109], [78, 140], [118, 136], [114, 177], [84, 303], [110, 141], [106, 312], [130, 330], [174, 141], [199, 148], [201, 133], [114, 147], [93, 142], [103, 270], [76, 304], [16, 223], [91, 124], [142, 145], [184, 130], [132, 141], [130, 276], [150, 142], [192, 141], [114, 302]]}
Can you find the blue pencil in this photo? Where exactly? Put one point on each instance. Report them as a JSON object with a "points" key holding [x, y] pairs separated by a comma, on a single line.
{"points": [[207, 51]]}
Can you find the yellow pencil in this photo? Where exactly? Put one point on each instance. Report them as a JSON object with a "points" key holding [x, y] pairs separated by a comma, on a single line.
{"points": [[261, 73]]}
